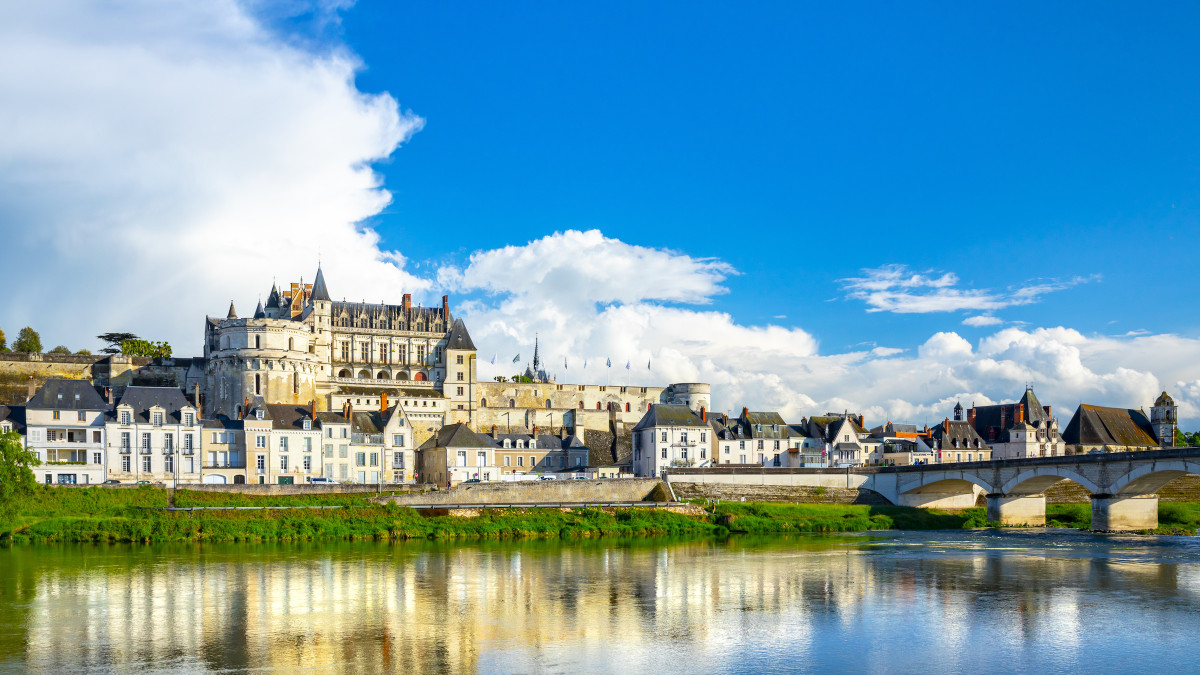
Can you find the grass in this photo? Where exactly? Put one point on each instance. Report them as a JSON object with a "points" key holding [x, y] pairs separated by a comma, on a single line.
{"points": [[58, 515]]}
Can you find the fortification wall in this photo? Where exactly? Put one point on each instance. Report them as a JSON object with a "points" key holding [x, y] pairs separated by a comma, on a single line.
{"points": [[16, 369], [537, 492]]}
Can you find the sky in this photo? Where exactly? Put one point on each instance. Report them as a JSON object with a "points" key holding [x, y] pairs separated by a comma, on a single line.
{"points": [[869, 207]]}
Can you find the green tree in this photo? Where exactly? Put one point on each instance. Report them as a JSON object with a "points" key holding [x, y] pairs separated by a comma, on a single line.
{"points": [[145, 348], [17, 484], [84, 352], [3, 341], [61, 349], [28, 341], [114, 341], [500, 378]]}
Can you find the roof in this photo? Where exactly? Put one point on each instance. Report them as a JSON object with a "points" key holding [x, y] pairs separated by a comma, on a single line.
{"points": [[258, 311], [319, 292], [142, 399], [667, 415], [457, 435], [459, 338], [947, 433], [61, 394], [1097, 425], [992, 422], [14, 414], [1164, 399], [273, 298], [544, 441], [232, 312], [221, 422]]}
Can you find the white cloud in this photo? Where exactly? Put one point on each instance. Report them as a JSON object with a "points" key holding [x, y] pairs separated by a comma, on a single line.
{"points": [[171, 155], [982, 320], [895, 288]]}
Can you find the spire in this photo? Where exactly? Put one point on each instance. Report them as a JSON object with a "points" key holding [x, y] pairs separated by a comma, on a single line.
{"points": [[232, 312], [273, 298], [537, 361], [319, 292], [258, 311]]}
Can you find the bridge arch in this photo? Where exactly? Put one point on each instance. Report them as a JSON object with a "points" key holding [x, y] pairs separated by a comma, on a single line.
{"points": [[944, 483], [1150, 478], [1035, 481]]}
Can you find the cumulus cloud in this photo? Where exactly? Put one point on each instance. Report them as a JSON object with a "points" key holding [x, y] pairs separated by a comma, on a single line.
{"points": [[982, 320], [896, 288], [171, 155]]}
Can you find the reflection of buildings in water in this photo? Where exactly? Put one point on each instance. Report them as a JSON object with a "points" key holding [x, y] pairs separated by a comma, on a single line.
{"points": [[450, 608]]}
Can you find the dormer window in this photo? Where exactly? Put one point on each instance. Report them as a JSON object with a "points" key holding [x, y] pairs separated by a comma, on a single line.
{"points": [[308, 425], [158, 419], [520, 444], [258, 414], [507, 443], [125, 417]]}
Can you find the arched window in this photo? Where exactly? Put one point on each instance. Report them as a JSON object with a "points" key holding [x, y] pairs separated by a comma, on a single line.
{"points": [[581, 405], [257, 341], [507, 443], [364, 375], [512, 403], [547, 404], [597, 405], [626, 407], [483, 403], [419, 377], [382, 375], [291, 344], [343, 373]]}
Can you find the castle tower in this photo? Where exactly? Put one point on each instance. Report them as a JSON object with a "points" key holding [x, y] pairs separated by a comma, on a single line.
{"points": [[958, 412], [1163, 417], [322, 317]]}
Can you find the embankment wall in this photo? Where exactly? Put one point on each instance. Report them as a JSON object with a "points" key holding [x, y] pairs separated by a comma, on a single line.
{"points": [[537, 492]]}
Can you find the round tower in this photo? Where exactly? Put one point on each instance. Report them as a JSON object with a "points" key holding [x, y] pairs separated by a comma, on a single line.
{"points": [[263, 357], [695, 395]]}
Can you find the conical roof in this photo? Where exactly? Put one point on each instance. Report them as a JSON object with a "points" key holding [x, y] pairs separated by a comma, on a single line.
{"points": [[258, 311], [319, 292], [459, 338], [232, 312], [273, 298]]}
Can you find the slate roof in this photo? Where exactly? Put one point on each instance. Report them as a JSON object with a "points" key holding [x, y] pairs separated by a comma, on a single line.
{"points": [[959, 431], [457, 436], [319, 292], [232, 312], [665, 415], [258, 311], [142, 399], [221, 422], [988, 417], [826, 426], [544, 442], [1097, 425], [459, 338], [61, 394], [771, 423], [14, 414]]}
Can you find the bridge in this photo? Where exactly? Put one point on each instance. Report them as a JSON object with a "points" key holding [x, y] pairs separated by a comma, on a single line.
{"points": [[1124, 486]]}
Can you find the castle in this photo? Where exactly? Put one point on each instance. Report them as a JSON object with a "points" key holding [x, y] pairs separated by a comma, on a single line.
{"points": [[305, 348]]}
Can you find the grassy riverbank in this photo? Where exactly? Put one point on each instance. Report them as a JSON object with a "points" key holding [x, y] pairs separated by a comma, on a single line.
{"points": [[103, 515]]}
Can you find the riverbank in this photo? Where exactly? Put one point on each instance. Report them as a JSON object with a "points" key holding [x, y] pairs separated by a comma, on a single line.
{"points": [[99, 515]]}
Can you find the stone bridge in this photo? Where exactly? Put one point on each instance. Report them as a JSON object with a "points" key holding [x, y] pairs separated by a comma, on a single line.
{"points": [[1123, 485]]}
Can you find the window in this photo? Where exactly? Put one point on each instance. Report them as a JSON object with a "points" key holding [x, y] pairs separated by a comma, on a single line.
{"points": [[257, 341], [125, 463], [520, 444], [532, 461], [169, 463], [125, 441], [283, 443], [701, 453], [397, 439], [187, 443], [374, 459], [346, 351], [329, 470], [345, 432], [520, 461], [260, 441], [261, 463], [760, 444], [727, 449], [664, 436], [56, 414], [581, 405], [307, 464], [343, 451], [145, 441], [96, 458], [846, 438], [168, 442], [398, 460], [125, 417], [462, 458], [742, 446], [329, 452], [703, 437], [146, 464], [512, 403], [360, 459], [481, 458], [189, 420], [460, 389], [508, 461], [459, 376], [776, 445], [344, 472], [458, 359], [664, 453], [507, 443], [82, 416], [283, 462], [158, 417], [683, 453], [307, 425]]}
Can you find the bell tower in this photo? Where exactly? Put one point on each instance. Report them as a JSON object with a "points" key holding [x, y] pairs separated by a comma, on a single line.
{"points": [[1163, 417]]}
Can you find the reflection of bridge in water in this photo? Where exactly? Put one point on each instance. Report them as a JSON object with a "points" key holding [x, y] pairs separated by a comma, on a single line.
{"points": [[1124, 486]]}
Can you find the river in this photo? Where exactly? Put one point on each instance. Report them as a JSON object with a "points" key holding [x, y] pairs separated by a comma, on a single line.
{"points": [[919, 602]]}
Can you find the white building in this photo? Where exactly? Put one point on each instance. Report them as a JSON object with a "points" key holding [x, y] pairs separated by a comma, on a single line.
{"points": [[456, 454], [670, 436], [64, 423], [153, 434], [283, 443]]}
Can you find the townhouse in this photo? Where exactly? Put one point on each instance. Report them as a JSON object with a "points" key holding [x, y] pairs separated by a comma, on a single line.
{"points": [[153, 434]]}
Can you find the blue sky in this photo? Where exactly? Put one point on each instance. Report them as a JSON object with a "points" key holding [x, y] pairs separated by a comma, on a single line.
{"points": [[874, 207], [801, 143]]}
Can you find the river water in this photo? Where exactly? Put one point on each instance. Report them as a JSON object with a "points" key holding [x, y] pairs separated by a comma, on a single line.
{"points": [[919, 602]]}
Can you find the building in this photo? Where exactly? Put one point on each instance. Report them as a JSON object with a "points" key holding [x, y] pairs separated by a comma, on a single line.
{"points": [[904, 444], [670, 436], [1096, 428], [1163, 416], [957, 441], [12, 418], [761, 438], [456, 454], [223, 451], [539, 452], [64, 427], [841, 438], [153, 434], [282, 443], [1018, 430]]}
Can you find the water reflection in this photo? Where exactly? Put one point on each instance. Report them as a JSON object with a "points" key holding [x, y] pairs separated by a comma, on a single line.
{"points": [[938, 602]]}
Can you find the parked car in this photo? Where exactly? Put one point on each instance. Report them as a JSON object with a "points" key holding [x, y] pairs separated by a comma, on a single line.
{"points": [[143, 482], [472, 480], [112, 481], [321, 480], [547, 477]]}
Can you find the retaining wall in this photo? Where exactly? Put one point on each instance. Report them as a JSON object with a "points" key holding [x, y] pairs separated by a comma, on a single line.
{"points": [[334, 489], [536, 492], [802, 494]]}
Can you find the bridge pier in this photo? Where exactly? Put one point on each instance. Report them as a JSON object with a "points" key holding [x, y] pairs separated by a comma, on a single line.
{"points": [[1124, 512], [1017, 509]]}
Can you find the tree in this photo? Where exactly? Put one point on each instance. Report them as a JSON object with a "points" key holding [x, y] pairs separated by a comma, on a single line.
{"points": [[17, 484], [84, 352], [28, 341], [61, 349], [3, 342], [145, 348], [114, 341], [500, 378]]}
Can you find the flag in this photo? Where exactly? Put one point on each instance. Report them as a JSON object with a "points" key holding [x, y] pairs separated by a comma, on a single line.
{"points": [[626, 365], [585, 364], [647, 364], [565, 363], [493, 359], [609, 363], [516, 358]]}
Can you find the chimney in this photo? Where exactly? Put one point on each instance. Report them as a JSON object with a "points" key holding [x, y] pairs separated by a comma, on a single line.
{"points": [[562, 432], [346, 408], [971, 416], [446, 306], [407, 302], [495, 428], [312, 410], [32, 389], [195, 400], [383, 402], [109, 396], [745, 411], [1048, 412], [1020, 413], [535, 432], [703, 415], [946, 425]]}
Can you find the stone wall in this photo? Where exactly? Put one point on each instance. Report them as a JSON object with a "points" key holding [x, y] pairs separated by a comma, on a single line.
{"points": [[333, 489], [800, 494], [1182, 489], [16, 369], [537, 492]]}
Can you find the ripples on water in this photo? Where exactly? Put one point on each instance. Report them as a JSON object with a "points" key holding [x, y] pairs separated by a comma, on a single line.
{"points": [[922, 602]]}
